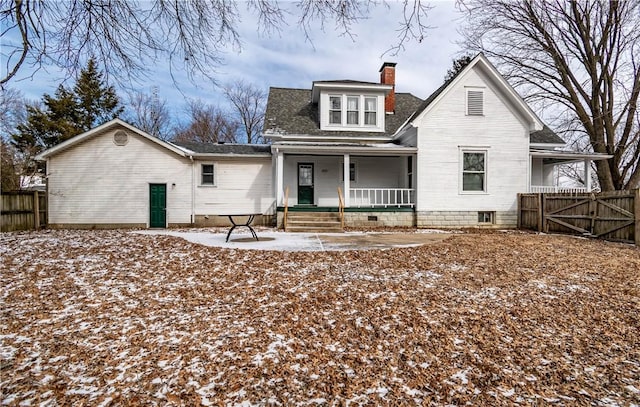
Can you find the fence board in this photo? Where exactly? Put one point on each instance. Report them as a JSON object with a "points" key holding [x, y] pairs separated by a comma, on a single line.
{"points": [[607, 215], [22, 210]]}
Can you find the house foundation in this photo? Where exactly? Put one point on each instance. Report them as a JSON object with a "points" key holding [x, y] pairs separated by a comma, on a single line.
{"points": [[462, 219]]}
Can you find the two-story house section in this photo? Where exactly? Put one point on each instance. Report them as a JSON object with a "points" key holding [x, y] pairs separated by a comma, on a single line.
{"points": [[457, 159], [333, 145]]}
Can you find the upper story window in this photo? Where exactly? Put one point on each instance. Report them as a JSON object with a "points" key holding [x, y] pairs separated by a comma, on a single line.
{"points": [[352, 112], [370, 111], [335, 109], [475, 102]]}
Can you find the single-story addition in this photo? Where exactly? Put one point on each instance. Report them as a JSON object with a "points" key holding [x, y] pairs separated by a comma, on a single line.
{"points": [[116, 175], [344, 152]]}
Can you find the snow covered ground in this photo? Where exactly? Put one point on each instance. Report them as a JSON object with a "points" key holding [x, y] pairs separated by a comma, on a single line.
{"points": [[118, 318]]}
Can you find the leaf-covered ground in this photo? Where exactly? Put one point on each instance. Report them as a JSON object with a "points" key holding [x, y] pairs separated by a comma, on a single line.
{"points": [[115, 318]]}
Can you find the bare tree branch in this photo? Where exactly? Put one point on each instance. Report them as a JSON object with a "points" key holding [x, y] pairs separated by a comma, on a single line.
{"points": [[126, 36]]}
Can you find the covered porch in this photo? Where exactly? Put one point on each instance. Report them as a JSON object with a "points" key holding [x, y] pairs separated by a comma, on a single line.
{"points": [[314, 176], [545, 165]]}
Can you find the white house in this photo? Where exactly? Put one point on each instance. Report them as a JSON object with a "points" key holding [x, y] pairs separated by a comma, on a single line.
{"points": [[458, 158]]}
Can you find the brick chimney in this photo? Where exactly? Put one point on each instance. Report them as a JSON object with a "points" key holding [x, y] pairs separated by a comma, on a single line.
{"points": [[388, 77]]}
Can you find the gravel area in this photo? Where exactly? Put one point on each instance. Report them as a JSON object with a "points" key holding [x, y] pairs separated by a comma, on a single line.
{"points": [[116, 318]]}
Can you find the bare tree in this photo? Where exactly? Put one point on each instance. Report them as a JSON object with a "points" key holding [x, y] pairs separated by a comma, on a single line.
{"points": [[208, 124], [126, 35], [13, 111], [149, 113], [249, 104], [9, 171], [580, 57]]}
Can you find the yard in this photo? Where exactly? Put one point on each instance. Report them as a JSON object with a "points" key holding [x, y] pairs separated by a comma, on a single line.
{"points": [[115, 318]]}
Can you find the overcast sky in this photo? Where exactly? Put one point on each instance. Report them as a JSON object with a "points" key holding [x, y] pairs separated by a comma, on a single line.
{"points": [[288, 60]]}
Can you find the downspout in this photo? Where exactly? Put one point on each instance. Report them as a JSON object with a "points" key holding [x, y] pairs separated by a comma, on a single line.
{"points": [[193, 191]]}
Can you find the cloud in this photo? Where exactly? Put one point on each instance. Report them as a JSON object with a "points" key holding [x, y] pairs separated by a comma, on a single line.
{"points": [[288, 59]]}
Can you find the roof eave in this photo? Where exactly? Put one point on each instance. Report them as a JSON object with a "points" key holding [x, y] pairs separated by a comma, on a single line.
{"points": [[230, 155], [317, 86], [342, 149]]}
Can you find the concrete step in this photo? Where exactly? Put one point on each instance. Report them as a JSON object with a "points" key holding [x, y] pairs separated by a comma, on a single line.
{"points": [[314, 222], [314, 229]]}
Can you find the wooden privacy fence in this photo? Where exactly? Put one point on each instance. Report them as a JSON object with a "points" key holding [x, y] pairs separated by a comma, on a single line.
{"points": [[23, 210], [611, 215]]}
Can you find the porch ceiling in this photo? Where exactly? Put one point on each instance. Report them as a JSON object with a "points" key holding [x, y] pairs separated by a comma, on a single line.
{"points": [[560, 157]]}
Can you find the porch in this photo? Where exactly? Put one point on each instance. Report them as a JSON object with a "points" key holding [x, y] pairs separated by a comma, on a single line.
{"points": [[545, 176], [376, 177]]}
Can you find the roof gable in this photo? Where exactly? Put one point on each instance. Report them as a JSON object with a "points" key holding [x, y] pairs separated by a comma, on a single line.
{"points": [[479, 62], [96, 131]]}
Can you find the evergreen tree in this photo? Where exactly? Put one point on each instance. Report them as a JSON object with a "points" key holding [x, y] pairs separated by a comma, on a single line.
{"points": [[97, 102], [67, 113], [458, 65]]}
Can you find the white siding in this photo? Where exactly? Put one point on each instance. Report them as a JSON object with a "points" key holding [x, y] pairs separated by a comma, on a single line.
{"points": [[97, 182], [445, 129], [243, 185]]}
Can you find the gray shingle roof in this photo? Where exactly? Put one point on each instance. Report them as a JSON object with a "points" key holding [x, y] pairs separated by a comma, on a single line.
{"points": [[291, 111], [546, 135], [210, 148]]}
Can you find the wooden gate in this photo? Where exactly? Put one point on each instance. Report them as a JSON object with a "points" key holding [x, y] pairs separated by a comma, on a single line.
{"points": [[609, 215]]}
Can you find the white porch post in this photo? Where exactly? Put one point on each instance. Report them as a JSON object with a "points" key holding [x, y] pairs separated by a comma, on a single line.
{"points": [[347, 179], [279, 178], [587, 174]]}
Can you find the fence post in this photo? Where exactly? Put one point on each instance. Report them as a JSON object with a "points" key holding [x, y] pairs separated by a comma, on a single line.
{"points": [[540, 212], [519, 224], [36, 210], [636, 206]]}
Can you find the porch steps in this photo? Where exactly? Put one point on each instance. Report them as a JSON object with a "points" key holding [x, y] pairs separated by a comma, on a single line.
{"points": [[314, 222]]}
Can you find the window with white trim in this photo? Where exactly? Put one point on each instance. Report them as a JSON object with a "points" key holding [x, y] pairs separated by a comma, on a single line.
{"points": [[352, 112], [474, 171], [370, 111], [475, 102], [207, 172], [335, 109], [486, 217]]}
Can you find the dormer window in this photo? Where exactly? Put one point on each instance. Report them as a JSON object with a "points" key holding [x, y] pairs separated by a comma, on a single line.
{"points": [[352, 112], [335, 109], [370, 111]]}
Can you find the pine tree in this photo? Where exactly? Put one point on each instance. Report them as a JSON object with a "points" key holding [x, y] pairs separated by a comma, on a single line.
{"points": [[458, 65], [67, 113], [97, 102]]}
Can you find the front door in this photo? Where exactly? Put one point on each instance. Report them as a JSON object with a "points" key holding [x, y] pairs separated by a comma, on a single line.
{"points": [[157, 205], [305, 183]]}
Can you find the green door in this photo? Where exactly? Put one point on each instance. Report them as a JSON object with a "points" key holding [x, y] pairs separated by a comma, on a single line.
{"points": [[305, 183], [157, 205]]}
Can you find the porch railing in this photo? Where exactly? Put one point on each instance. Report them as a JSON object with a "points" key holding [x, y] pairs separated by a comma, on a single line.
{"points": [[538, 189], [381, 197]]}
